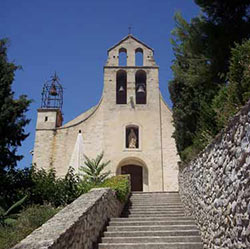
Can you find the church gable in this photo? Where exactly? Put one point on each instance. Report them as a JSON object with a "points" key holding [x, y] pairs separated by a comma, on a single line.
{"points": [[130, 48], [130, 37]]}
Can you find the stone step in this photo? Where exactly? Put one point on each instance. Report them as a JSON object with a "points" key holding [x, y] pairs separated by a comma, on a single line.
{"points": [[153, 215], [148, 202], [151, 239], [160, 208], [156, 199], [152, 228], [174, 245], [151, 223], [151, 233], [156, 205], [154, 196], [132, 211], [188, 218], [154, 193]]}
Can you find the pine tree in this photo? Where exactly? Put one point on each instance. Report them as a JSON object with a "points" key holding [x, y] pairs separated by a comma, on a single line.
{"points": [[202, 50], [12, 113]]}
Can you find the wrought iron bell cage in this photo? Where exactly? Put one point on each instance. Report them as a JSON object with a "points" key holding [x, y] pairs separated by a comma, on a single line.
{"points": [[52, 94]]}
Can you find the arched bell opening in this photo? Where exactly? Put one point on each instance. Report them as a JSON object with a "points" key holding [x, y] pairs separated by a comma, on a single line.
{"points": [[121, 87], [123, 57], [141, 87], [139, 57]]}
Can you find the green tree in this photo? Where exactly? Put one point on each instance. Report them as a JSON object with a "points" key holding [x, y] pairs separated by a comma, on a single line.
{"points": [[237, 92], [202, 51], [193, 86], [12, 113]]}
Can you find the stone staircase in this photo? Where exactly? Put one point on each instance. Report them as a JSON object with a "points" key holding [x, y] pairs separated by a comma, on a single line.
{"points": [[150, 221]]}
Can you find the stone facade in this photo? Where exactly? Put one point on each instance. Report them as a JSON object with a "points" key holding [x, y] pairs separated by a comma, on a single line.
{"points": [[215, 187], [103, 127], [78, 225]]}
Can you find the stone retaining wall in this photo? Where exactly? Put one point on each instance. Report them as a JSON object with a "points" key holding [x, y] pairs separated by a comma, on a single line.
{"points": [[215, 187], [78, 225]]}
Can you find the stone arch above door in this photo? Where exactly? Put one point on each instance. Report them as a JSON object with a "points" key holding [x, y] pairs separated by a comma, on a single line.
{"points": [[127, 164]]}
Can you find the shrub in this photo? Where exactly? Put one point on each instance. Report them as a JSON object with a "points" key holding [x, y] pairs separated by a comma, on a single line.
{"points": [[47, 188], [121, 185], [41, 187], [85, 185]]}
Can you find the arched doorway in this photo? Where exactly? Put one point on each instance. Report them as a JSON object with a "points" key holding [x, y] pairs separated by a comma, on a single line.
{"points": [[136, 176], [138, 171]]}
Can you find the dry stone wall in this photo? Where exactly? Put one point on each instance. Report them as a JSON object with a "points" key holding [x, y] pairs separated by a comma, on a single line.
{"points": [[78, 225], [215, 187]]}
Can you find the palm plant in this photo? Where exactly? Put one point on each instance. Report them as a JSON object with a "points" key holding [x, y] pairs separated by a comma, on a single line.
{"points": [[8, 217], [92, 171]]}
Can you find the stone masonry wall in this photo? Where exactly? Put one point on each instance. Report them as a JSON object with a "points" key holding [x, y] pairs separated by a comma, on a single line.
{"points": [[78, 225], [215, 187]]}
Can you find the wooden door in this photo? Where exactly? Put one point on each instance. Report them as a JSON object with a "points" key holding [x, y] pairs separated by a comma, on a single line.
{"points": [[135, 173]]}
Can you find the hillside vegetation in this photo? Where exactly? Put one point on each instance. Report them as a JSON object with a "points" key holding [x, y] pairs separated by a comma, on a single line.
{"points": [[211, 72]]}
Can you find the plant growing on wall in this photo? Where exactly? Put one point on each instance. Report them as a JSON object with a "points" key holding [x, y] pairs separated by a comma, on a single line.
{"points": [[92, 172]]}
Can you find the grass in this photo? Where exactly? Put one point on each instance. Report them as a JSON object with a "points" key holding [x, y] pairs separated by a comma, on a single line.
{"points": [[28, 220]]}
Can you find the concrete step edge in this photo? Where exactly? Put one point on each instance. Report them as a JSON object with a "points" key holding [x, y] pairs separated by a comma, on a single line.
{"points": [[151, 229], [154, 212], [147, 238], [125, 234], [185, 231], [177, 218], [149, 203], [154, 208], [152, 223], [149, 215], [159, 243], [155, 237]]}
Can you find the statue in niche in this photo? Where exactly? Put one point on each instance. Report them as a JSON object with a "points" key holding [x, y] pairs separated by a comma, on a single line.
{"points": [[132, 139]]}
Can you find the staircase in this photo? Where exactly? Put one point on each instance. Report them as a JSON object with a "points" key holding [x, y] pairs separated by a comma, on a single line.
{"points": [[150, 221]]}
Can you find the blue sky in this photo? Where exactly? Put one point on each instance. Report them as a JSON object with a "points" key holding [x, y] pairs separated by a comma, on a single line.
{"points": [[72, 37]]}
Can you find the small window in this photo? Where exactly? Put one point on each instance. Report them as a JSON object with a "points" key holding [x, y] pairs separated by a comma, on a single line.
{"points": [[132, 137], [139, 57], [46, 119], [122, 57]]}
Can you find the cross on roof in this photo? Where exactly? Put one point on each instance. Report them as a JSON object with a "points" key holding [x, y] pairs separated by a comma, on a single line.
{"points": [[129, 29]]}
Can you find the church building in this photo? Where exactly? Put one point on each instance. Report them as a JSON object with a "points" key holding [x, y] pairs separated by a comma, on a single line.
{"points": [[131, 124]]}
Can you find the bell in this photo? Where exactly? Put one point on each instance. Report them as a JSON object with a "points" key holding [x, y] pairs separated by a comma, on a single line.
{"points": [[140, 89], [53, 91], [121, 89]]}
